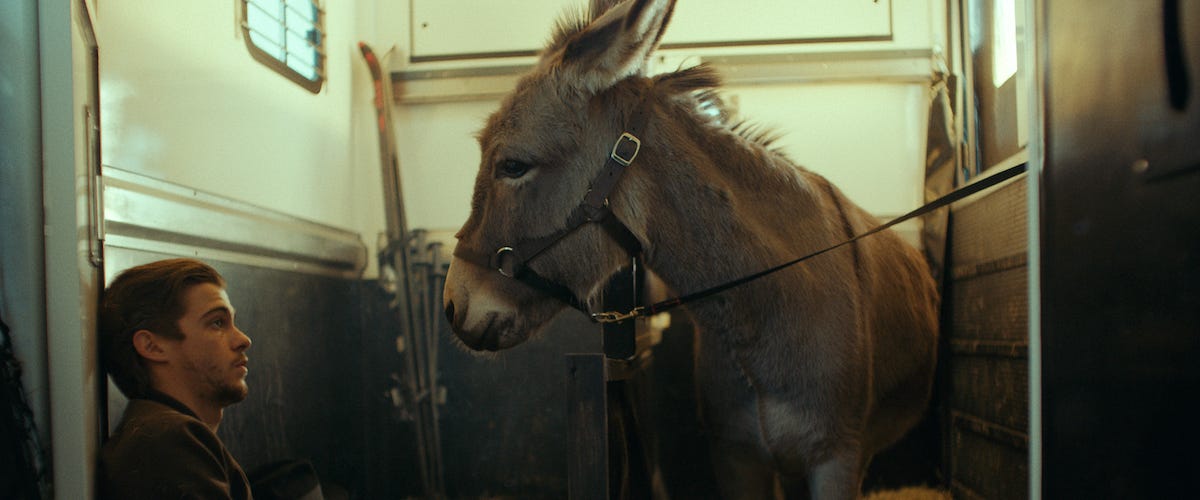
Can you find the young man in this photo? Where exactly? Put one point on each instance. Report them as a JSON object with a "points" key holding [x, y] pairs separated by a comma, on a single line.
{"points": [[168, 339]]}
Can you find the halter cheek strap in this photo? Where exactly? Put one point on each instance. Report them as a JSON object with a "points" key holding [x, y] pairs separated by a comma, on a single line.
{"points": [[512, 260]]}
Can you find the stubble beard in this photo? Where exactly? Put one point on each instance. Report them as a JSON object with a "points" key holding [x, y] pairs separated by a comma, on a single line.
{"points": [[218, 389], [227, 394]]}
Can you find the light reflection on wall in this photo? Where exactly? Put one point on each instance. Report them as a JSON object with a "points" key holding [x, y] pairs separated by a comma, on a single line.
{"points": [[1004, 42]]}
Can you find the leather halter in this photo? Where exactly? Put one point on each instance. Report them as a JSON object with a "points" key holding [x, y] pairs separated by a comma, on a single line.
{"points": [[512, 260]]}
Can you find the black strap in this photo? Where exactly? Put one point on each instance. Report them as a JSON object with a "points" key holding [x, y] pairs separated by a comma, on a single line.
{"points": [[553, 289], [951, 197], [523, 273]]}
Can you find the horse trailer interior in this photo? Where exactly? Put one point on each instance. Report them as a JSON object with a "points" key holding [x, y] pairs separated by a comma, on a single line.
{"points": [[324, 155]]}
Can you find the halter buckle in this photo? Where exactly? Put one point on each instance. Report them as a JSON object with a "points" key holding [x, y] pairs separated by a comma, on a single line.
{"points": [[620, 153], [617, 317]]}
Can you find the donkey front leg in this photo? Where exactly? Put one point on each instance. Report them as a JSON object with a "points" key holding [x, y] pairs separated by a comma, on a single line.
{"points": [[741, 474]]}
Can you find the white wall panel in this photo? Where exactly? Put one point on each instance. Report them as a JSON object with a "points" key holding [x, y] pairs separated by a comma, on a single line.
{"points": [[457, 28], [183, 101], [778, 21], [439, 157], [449, 28], [866, 138]]}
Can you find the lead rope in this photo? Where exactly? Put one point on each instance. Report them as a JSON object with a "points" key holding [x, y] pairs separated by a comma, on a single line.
{"points": [[951, 197]]}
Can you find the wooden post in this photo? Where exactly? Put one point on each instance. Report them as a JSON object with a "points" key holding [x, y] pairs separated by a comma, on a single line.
{"points": [[587, 426]]}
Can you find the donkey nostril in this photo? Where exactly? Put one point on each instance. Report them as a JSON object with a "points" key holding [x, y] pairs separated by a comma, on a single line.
{"points": [[450, 312]]}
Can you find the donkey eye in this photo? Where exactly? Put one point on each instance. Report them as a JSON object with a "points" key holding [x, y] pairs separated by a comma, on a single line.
{"points": [[512, 169]]}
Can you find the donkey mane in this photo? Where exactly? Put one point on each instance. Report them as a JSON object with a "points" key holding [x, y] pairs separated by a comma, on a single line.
{"points": [[757, 133], [701, 83]]}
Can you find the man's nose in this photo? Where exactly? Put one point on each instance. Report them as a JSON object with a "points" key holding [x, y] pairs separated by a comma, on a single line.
{"points": [[242, 340]]}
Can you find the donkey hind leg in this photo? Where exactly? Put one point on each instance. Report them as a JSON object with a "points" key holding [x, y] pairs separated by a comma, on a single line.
{"points": [[839, 477], [741, 474]]}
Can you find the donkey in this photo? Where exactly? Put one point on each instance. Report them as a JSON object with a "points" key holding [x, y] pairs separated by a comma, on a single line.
{"points": [[803, 375]]}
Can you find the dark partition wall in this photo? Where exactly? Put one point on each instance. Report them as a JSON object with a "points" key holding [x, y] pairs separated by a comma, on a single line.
{"points": [[1121, 248], [320, 363], [503, 427], [323, 363], [307, 379]]}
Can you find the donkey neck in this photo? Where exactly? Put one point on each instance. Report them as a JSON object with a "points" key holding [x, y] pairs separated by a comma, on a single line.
{"points": [[716, 206]]}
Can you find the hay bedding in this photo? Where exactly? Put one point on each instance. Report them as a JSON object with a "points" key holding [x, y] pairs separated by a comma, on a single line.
{"points": [[909, 493]]}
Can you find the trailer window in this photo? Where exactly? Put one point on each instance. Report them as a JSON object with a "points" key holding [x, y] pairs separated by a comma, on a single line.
{"points": [[997, 125], [287, 36]]}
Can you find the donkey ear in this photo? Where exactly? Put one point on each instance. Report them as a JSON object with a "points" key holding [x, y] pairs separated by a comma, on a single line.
{"points": [[615, 44], [597, 8]]}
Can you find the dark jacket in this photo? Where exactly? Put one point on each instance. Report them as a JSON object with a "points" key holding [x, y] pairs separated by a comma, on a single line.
{"points": [[162, 450]]}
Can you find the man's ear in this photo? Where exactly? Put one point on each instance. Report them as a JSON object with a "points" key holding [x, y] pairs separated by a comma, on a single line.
{"points": [[149, 345]]}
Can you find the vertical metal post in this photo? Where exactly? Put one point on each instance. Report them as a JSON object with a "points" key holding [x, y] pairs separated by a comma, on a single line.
{"points": [[22, 248], [1034, 41], [67, 48], [410, 289]]}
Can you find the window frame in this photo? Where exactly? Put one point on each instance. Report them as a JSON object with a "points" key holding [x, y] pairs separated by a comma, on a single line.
{"points": [[280, 65]]}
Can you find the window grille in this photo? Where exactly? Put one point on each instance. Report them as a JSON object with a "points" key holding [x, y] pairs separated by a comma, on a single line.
{"points": [[287, 36]]}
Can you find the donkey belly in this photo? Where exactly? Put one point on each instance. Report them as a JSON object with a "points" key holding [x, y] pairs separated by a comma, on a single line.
{"points": [[902, 301], [783, 432], [728, 402]]}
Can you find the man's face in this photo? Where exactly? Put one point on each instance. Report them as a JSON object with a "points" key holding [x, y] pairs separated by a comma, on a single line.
{"points": [[212, 354]]}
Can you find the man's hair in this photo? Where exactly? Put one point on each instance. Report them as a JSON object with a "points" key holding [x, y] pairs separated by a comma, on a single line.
{"points": [[146, 297]]}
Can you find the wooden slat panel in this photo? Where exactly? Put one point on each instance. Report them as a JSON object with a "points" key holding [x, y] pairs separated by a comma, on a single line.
{"points": [[587, 427], [993, 388], [992, 306], [986, 464], [991, 228], [988, 367]]}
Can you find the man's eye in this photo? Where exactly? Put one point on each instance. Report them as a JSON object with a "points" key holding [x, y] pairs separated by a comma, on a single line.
{"points": [[512, 169], [217, 323]]}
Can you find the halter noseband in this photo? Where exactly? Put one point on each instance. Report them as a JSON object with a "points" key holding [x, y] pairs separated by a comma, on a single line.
{"points": [[512, 260]]}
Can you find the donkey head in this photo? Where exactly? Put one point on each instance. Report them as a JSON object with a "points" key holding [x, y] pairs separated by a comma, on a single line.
{"points": [[540, 152]]}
